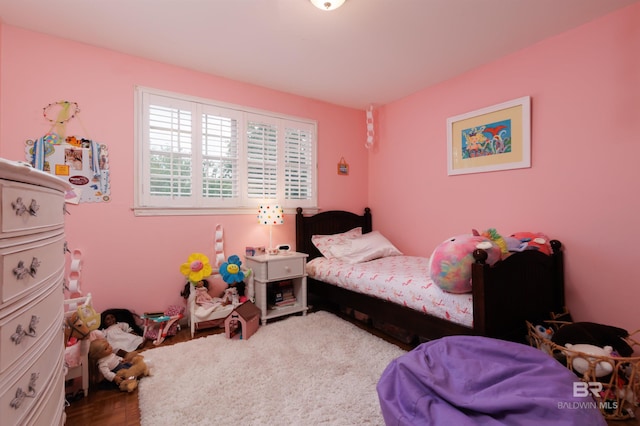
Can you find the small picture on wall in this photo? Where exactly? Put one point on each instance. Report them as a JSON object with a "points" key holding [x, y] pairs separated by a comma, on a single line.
{"points": [[343, 167]]}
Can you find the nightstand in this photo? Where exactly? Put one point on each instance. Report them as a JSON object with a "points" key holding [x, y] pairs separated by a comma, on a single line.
{"points": [[280, 284]]}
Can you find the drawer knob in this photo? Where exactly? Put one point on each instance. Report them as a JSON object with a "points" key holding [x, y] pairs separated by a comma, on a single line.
{"points": [[19, 207], [21, 272], [21, 395], [17, 337], [287, 268], [35, 264], [33, 208]]}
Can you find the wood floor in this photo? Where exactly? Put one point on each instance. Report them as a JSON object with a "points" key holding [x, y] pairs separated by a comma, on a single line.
{"points": [[111, 407]]}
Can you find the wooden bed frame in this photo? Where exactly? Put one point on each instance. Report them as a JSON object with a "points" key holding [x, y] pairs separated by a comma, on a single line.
{"points": [[526, 286]]}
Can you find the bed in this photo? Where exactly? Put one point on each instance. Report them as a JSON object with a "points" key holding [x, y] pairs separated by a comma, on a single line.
{"points": [[495, 307]]}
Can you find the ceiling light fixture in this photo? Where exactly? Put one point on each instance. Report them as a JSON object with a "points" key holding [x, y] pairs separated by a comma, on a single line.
{"points": [[327, 5]]}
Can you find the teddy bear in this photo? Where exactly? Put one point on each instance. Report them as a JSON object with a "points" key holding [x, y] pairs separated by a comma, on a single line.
{"points": [[122, 371]]}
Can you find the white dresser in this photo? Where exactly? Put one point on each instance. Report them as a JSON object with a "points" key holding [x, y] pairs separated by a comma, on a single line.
{"points": [[31, 296]]}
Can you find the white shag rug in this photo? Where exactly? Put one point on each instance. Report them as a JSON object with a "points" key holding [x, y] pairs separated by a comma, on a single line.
{"points": [[313, 370]]}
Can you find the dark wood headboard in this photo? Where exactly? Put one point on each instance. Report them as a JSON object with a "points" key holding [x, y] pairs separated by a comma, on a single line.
{"points": [[327, 223]]}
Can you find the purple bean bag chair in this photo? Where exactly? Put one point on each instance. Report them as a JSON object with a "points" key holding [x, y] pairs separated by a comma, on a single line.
{"points": [[472, 380]]}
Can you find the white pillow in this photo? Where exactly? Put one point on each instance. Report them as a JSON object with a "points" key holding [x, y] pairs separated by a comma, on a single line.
{"points": [[364, 248], [324, 242]]}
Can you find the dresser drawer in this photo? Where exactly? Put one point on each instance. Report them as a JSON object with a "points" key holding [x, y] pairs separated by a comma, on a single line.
{"points": [[28, 209], [44, 311], [285, 268], [25, 266], [21, 395], [50, 412]]}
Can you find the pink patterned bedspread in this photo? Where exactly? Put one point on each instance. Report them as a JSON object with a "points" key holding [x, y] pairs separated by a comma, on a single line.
{"points": [[403, 280]]}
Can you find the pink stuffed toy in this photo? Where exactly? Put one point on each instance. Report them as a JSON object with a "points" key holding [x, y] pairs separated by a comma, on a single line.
{"points": [[532, 241], [450, 263]]}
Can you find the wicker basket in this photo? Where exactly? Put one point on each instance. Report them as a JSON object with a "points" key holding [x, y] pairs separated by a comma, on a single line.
{"points": [[618, 392]]}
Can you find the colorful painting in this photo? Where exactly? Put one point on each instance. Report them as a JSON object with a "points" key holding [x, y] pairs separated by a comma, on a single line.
{"points": [[490, 139]]}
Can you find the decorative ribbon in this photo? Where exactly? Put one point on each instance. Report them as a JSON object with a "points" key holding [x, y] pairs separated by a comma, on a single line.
{"points": [[218, 244], [370, 130]]}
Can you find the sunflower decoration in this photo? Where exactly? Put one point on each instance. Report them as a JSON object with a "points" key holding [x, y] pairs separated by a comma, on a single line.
{"points": [[196, 268], [230, 270]]}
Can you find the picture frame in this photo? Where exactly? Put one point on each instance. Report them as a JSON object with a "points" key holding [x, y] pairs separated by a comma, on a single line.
{"points": [[343, 167], [490, 139]]}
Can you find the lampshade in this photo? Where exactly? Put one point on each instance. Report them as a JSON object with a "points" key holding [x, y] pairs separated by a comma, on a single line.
{"points": [[270, 214], [327, 4]]}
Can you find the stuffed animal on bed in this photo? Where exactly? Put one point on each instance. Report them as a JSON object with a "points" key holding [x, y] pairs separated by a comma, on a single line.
{"points": [[124, 372], [521, 241], [196, 268], [450, 262], [493, 235], [234, 276]]}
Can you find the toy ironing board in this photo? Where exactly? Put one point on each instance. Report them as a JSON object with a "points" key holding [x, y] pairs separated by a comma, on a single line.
{"points": [[161, 322]]}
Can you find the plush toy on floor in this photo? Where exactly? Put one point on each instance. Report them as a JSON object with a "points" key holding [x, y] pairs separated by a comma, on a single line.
{"points": [[123, 372]]}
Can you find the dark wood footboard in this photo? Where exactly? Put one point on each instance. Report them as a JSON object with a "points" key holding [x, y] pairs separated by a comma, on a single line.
{"points": [[525, 286]]}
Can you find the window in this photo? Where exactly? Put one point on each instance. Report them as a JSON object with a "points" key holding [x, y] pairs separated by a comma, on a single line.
{"points": [[196, 156]]}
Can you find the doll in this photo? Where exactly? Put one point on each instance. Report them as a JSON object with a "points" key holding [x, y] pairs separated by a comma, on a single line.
{"points": [[120, 335], [203, 298], [123, 372]]}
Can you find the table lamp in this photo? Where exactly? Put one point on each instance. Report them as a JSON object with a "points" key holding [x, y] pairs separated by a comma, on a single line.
{"points": [[270, 214]]}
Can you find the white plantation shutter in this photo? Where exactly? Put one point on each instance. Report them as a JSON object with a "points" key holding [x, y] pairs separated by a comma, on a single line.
{"points": [[169, 165], [220, 156], [299, 165], [199, 157], [262, 158]]}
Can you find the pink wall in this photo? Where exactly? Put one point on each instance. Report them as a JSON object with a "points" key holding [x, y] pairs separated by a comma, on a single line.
{"points": [[133, 262], [582, 187]]}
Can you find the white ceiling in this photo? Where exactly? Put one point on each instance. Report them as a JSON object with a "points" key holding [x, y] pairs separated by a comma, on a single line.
{"points": [[366, 52]]}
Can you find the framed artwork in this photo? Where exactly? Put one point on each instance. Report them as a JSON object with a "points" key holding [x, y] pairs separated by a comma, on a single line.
{"points": [[490, 139], [343, 167]]}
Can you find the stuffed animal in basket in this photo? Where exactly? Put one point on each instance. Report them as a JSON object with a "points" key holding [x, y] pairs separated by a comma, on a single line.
{"points": [[591, 333], [595, 365], [123, 372]]}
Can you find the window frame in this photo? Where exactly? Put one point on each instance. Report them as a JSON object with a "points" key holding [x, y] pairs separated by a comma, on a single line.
{"points": [[244, 204]]}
